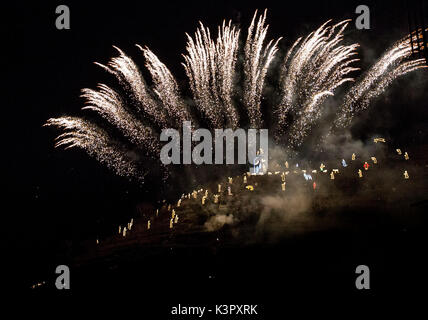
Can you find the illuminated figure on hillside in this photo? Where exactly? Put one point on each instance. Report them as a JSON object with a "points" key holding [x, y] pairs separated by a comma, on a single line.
{"points": [[307, 176], [257, 164]]}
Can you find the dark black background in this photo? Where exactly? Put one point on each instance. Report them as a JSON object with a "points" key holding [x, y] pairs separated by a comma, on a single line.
{"points": [[58, 197]]}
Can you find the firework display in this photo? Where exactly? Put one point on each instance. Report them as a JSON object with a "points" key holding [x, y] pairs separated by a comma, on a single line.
{"points": [[313, 68], [391, 65], [219, 157]]}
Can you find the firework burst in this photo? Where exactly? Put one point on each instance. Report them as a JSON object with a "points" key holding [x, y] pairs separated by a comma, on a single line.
{"points": [[393, 64], [311, 71], [313, 68], [98, 143]]}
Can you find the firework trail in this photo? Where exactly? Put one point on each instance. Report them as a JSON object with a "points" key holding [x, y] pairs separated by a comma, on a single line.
{"points": [[108, 103], [390, 66], [166, 88], [311, 71], [210, 67], [257, 60], [129, 76], [97, 143]]}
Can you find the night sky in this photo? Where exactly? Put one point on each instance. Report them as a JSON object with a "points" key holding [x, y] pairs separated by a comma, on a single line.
{"points": [[57, 197]]}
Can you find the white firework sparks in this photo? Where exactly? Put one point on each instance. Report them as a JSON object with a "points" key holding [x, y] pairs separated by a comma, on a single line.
{"points": [[97, 143], [166, 88], [313, 68], [110, 105], [391, 65], [257, 60], [210, 67], [128, 74]]}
